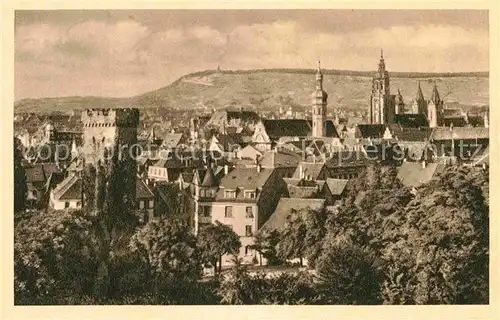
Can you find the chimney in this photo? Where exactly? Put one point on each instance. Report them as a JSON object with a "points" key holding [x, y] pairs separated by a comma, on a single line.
{"points": [[259, 168], [226, 169], [424, 164], [301, 172]]}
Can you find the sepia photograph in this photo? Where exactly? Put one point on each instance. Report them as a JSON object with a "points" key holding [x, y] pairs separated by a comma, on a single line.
{"points": [[251, 157]]}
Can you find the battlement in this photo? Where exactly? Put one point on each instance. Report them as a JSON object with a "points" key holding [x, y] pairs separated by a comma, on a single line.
{"points": [[123, 117]]}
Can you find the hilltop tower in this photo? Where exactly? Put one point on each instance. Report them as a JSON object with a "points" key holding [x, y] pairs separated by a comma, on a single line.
{"points": [[319, 104], [381, 103], [109, 138], [434, 108]]}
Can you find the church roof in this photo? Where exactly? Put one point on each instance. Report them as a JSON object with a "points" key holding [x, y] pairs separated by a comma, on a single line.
{"points": [[287, 127], [370, 130], [411, 120]]}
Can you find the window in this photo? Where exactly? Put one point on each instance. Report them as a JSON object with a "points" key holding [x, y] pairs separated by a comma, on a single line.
{"points": [[229, 212], [151, 204], [230, 194], [202, 192], [249, 212], [250, 194], [141, 204], [248, 231], [207, 212], [66, 204]]}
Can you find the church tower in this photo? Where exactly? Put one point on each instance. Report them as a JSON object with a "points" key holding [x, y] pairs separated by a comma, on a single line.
{"points": [[434, 108], [400, 104], [381, 111], [319, 103], [419, 105]]}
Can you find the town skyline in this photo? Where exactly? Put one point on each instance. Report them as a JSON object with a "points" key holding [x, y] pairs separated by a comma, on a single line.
{"points": [[122, 53]]}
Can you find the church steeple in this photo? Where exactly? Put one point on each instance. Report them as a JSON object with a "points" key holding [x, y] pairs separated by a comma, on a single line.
{"points": [[319, 102], [381, 65], [435, 95], [319, 77], [420, 96]]}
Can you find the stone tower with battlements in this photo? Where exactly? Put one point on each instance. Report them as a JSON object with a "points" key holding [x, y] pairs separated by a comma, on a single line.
{"points": [[109, 154]]}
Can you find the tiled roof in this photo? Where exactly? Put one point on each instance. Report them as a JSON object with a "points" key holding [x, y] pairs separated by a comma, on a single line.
{"points": [[285, 208], [35, 174], [172, 140], [69, 189], [457, 121], [303, 192], [336, 186], [287, 128], [414, 174], [410, 120], [142, 191], [209, 180], [410, 134], [279, 159], [370, 130], [308, 169], [347, 158], [457, 133], [241, 179]]}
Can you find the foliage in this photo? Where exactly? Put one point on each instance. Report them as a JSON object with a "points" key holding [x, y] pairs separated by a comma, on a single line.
{"points": [[238, 286], [347, 275], [53, 256], [442, 253], [20, 187], [169, 251], [265, 244], [216, 240]]}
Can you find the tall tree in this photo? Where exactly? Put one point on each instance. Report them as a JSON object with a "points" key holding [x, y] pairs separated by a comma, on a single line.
{"points": [[49, 250], [442, 249], [292, 243], [347, 275], [20, 187], [216, 240], [169, 250]]}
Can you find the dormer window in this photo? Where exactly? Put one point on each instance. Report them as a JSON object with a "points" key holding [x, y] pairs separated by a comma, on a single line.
{"points": [[250, 194], [230, 194]]}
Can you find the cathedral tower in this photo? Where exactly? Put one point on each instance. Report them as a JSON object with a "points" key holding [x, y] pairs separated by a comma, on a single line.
{"points": [[319, 103], [381, 102], [434, 108]]}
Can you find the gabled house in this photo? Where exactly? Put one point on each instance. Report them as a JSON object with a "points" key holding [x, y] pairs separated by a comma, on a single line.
{"points": [[244, 201]]}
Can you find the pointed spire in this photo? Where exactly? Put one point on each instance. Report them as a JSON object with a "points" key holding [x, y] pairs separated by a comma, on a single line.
{"points": [[435, 94], [319, 77], [399, 97], [381, 65], [420, 95]]}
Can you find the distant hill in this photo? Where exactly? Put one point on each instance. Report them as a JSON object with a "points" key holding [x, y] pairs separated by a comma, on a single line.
{"points": [[272, 88]]}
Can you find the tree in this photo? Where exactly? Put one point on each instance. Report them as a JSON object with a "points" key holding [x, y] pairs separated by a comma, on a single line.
{"points": [[49, 250], [441, 251], [215, 241], [347, 275], [292, 238], [20, 187], [237, 286], [265, 244], [169, 251]]}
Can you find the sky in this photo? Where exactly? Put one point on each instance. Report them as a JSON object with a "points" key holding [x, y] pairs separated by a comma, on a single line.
{"points": [[121, 53]]}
